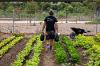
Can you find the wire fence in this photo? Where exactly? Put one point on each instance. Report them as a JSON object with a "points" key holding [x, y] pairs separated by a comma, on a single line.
{"points": [[40, 15], [31, 17]]}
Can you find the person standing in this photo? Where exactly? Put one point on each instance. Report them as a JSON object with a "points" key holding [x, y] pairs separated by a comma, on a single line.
{"points": [[51, 27]]}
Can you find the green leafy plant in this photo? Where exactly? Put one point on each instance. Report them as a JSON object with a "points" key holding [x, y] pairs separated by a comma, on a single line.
{"points": [[18, 35], [83, 41], [12, 43], [97, 37], [72, 51], [5, 41], [34, 61], [60, 54], [94, 56], [92, 48], [21, 55]]}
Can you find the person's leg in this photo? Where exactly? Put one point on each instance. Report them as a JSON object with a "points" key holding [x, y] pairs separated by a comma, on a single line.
{"points": [[52, 42], [52, 37], [47, 43]]}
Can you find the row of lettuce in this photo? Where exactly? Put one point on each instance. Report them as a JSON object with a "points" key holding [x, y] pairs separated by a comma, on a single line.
{"points": [[63, 49], [7, 43], [60, 53], [91, 44], [34, 61]]}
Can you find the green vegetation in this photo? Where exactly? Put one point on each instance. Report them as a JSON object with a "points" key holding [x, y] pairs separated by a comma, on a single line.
{"points": [[12, 43], [35, 9], [83, 41], [35, 60], [92, 45], [7, 40], [60, 54], [94, 55], [21, 55], [97, 37], [65, 50], [94, 52], [17, 35], [72, 51]]}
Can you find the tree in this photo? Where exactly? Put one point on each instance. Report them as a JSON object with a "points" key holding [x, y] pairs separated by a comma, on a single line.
{"points": [[31, 7], [9, 10], [54, 7], [69, 8], [46, 6], [62, 6], [77, 6]]}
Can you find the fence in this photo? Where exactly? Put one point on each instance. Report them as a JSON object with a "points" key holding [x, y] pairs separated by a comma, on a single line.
{"points": [[39, 15], [31, 17]]}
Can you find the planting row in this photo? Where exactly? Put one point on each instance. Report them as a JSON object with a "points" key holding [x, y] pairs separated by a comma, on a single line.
{"points": [[7, 40], [92, 48], [21, 55], [71, 49], [34, 61], [9, 45], [61, 55], [94, 56], [83, 41], [36, 50]]}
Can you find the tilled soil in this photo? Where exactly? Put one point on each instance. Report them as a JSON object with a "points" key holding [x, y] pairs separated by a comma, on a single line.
{"points": [[10, 56], [3, 36], [47, 59], [83, 58], [29, 56]]}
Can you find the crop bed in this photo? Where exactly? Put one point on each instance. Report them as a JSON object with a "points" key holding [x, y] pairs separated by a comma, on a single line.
{"points": [[20, 50]]}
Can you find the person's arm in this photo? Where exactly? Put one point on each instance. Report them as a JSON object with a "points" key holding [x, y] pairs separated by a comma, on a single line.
{"points": [[43, 26]]}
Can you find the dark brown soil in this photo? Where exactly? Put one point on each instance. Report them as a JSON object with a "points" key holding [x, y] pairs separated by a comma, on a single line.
{"points": [[47, 59], [29, 56], [82, 54], [9, 57], [3, 36], [83, 58]]}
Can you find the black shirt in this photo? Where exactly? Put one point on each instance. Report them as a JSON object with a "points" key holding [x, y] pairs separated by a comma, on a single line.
{"points": [[50, 21]]}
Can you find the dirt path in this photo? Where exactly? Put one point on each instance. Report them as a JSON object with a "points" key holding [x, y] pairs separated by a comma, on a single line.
{"points": [[47, 59], [9, 57], [64, 28]]}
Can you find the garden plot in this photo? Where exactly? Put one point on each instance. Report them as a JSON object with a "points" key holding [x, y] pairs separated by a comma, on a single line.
{"points": [[27, 50]]}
